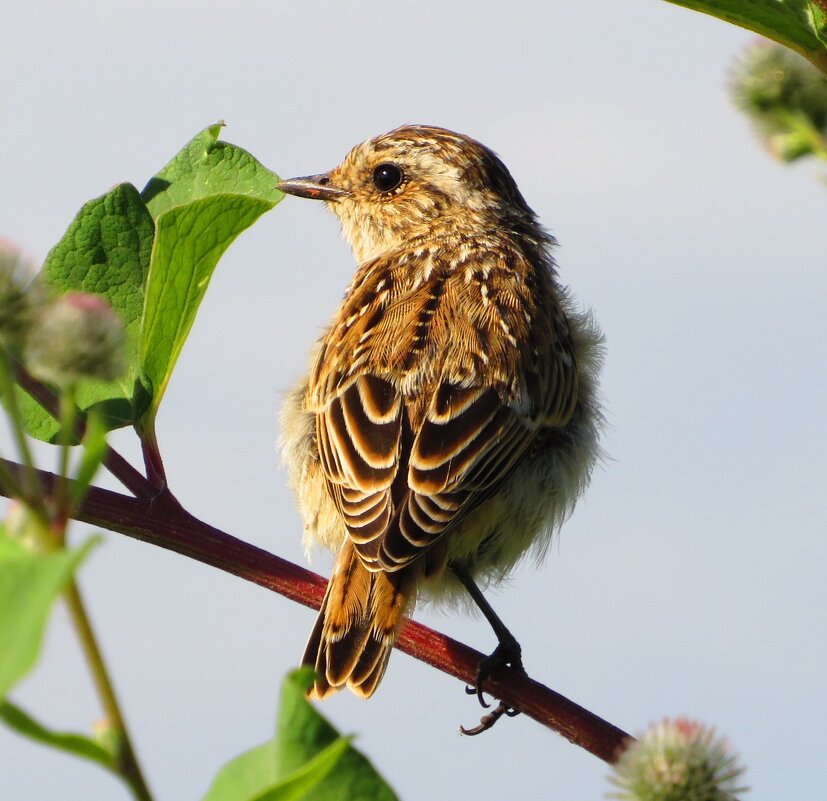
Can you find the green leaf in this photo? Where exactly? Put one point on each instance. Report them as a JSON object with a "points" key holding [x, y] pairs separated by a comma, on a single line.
{"points": [[252, 775], [308, 759], [201, 201], [9, 548], [211, 192], [105, 251], [301, 784], [205, 166], [246, 776], [78, 744], [798, 24], [303, 732], [29, 585]]}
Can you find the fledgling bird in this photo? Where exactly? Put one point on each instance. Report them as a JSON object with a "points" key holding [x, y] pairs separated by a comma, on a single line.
{"points": [[450, 418]]}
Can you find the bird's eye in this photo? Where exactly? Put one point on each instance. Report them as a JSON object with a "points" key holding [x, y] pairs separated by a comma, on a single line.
{"points": [[387, 177]]}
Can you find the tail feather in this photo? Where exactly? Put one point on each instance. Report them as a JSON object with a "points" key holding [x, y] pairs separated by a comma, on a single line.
{"points": [[360, 618], [339, 658], [370, 670]]}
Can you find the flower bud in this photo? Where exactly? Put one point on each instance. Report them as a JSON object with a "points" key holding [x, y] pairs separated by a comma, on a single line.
{"points": [[77, 336], [18, 297], [785, 96], [677, 760]]}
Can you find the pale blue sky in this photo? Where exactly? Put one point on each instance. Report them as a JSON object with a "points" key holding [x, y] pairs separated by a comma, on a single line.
{"points": [[690, 579]]}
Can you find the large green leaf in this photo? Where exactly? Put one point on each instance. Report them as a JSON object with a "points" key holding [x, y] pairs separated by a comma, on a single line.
{"points": [[798, 24], [308, 760], [190, 241], [29, 585], [105, 251], [303, 732], [202, 200]]}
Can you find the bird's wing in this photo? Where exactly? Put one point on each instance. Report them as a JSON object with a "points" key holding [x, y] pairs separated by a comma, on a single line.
{"points": [[359, 436], [464, 449], [404, 467]]}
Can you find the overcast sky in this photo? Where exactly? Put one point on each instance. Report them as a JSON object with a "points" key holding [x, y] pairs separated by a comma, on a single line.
{"points": [[691, 579]]}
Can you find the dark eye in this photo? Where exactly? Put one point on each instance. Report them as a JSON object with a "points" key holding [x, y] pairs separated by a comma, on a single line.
{"points": [[387, 177]]}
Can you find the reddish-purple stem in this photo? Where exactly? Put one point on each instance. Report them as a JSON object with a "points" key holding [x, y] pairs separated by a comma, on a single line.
{"points": [[163, 522]]}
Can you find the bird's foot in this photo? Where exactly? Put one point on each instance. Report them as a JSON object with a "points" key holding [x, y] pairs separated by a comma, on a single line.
{"points": [[508, 653]]}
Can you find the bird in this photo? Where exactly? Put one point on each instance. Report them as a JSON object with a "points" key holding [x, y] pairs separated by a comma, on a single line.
{"points": [[450, 418]]}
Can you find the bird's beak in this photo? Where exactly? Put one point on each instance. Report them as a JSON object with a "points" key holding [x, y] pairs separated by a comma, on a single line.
{"points": [[315, 187]]}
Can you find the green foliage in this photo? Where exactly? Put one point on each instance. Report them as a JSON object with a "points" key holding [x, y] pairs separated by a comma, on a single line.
{"points": [[201, 201], [29, 584], [151, 255], [252, 776], [105, 251], [204, 167], [307, 759], [797, 24], [189, 242]]}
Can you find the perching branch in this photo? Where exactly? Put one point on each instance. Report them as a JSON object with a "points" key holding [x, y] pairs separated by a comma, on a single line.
{"points": [[163, 522]]}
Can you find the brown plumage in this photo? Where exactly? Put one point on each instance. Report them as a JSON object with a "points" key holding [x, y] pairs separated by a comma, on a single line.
{"points": [[449, 418]]}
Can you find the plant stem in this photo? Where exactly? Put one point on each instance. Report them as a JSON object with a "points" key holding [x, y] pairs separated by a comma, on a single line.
{"points": [[8, 479], [163, 522], [126, 762], [153, 463], [31, 483], [67, 425]]}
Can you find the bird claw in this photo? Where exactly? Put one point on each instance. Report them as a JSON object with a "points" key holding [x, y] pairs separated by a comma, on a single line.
{"points": [[478, 692], [487, 721], [506, 654]]}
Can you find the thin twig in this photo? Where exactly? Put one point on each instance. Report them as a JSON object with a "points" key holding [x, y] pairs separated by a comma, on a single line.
{"points": [[34, 492], [164, 523], [153, 463], [67, 421]]}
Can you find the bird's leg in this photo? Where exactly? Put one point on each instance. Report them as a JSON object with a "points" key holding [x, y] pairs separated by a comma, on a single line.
{"points": [[507, 653]]}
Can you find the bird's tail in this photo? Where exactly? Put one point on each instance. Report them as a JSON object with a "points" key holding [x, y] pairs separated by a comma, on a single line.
{"points": [[359, 621]]}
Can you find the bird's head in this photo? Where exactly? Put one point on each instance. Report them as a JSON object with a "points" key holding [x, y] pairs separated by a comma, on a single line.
{"points": [[417, 182]]}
